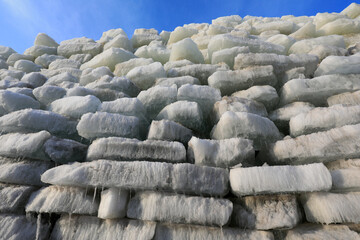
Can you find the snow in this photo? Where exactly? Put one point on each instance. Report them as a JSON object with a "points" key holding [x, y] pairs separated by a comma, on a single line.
{"points": [[93, 228], [102, 124], [221, 153], [113, 203], [185, 231], [184, 178], [246, 125], [76, 106], [229, 82], [123, 149], [329, 208], [266, 212], [175, 208], [327, 146], [322, 119], [169, 131], [186, 113], [280, 179]]}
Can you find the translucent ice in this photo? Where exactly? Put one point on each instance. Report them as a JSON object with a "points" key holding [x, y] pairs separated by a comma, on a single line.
{"points": [[186, 49], [339, 65], [113, 203], [144, 76], [10, 102], [169, 131]]}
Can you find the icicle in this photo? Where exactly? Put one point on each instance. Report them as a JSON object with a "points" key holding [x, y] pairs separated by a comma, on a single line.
{"points": [[38, 226], [94, 195], [221, 232]]}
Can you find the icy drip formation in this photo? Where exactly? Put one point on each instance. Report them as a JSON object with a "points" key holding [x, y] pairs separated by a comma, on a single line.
{"points": [[243, 128]]}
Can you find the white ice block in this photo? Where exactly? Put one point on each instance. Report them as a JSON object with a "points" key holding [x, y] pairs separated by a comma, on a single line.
{"points": [[330, 145], [76, 106], [48, 93], [306, 45], [266, 212], [347, 98], [186, 231], [178, 81], [123, 149], [186, 49], [221, 153], [329, 208], [156, 98], [102, 124], [184, 178], [11, 101], [169, 131], [23, 172], [67, 49], [93, 228], [113, 203], [109, 58], [154, 51], [90, 75], [246, 125], [57, 199], [42, 39], [280, 179], [121, 69], [317, 90], [229, 82], [322, 119], [144, 76], [347, 179], [14, 197], [176, 208], [186, 113]]}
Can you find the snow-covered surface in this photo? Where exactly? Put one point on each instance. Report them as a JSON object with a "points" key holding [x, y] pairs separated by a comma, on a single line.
{"points": [[280, 179]]}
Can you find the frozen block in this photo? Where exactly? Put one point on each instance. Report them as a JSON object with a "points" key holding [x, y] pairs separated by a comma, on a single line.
{"points": [[178, 81], [113, 203], [144, 76], [121, 69], [176, 208], [221, 153], [280, 179], [229, 82], [90, 75], [347, 98], [93, 228], [339, 65], [266, 212], [246, 125], [186, 49], [102, 124], [169, 131], [123, 149], [329, 208], [48, 93], [57, 199], [11, 101], [14, 197]]}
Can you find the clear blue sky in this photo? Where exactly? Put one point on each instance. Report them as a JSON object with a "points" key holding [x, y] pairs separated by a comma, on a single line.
{"points": [[21, 20]]}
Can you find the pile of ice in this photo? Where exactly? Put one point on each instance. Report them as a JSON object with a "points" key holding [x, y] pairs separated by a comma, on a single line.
{"points": [[246, 128]]}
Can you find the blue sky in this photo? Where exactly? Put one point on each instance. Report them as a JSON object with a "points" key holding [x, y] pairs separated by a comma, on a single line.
{"points": [[22, 20]]}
